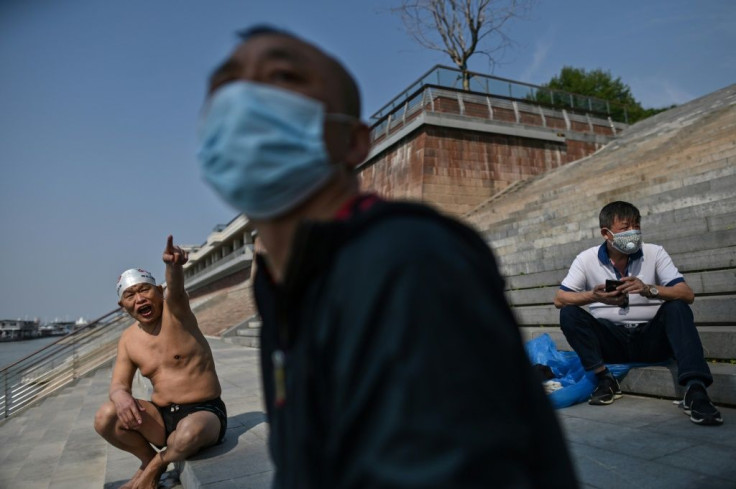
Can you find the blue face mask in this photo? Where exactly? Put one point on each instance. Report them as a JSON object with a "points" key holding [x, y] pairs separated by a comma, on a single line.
{"points": [[262, 148]]}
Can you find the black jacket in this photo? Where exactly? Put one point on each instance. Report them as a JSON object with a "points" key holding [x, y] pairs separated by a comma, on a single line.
{"points": [[403, 365]]}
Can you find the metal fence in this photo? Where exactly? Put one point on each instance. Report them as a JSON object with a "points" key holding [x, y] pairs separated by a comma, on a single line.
{"points": [[446, 77], [42, 373]]}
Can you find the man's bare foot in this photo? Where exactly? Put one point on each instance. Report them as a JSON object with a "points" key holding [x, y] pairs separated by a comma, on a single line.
{"points": [[150, 476], [131, 483]]}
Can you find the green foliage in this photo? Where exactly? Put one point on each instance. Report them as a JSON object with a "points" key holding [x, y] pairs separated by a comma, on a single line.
{"points": [[602, 85], [595, 83]]}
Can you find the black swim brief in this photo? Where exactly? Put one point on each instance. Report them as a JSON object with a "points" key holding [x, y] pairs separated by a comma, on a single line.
{"points": [[173, 413]]}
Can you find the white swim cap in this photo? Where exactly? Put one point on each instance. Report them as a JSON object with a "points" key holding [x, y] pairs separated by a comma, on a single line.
{"points": [[132, 277]]}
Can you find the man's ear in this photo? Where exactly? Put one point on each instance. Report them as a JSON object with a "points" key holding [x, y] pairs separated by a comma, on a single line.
{"points": [[359, 145], [160, 289], [120, 303], [604, 233]]}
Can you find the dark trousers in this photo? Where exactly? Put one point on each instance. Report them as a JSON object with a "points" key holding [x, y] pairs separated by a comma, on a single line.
{"points": [[671, 333]]}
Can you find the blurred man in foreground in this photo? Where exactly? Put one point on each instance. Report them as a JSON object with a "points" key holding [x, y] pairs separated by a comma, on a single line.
{"points": [[390, 357]]}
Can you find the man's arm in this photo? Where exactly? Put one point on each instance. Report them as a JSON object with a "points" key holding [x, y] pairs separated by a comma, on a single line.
{"points": [[176, 296], [576, 282], [598, 294], [126, 405], [680, 290]]}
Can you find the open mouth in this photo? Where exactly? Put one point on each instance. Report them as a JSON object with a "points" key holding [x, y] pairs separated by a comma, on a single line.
{"points": [[145, 311]]}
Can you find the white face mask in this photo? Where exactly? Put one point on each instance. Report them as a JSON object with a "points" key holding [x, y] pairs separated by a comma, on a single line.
{"points": [[628, 242]]}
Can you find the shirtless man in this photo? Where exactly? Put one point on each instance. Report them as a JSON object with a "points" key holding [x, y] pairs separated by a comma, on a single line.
{"points": [[185, 413]]}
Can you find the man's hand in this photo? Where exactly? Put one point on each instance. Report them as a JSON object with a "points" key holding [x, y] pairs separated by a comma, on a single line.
{"points": [[173, 255], [615, 298], [128, 409], [633, 285]]}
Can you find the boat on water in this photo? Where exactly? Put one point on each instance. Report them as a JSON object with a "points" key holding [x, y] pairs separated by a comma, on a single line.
{"points": [[18, 329], [56, 328]]}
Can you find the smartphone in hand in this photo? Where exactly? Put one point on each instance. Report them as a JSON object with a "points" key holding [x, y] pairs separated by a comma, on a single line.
{"points": [[612, 284]]}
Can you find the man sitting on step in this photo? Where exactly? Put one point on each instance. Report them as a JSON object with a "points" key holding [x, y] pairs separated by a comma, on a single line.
{"points": [[185, 413], [639, 312]]}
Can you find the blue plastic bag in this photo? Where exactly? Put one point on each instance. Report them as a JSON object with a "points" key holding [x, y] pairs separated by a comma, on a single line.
{"points": [[577, 384]]}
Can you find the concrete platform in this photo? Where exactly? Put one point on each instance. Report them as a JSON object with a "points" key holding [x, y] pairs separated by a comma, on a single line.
{"points": [[636, 442]]}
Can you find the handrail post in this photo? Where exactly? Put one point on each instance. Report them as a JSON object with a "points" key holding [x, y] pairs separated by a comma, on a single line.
{"points": [[6, 390], [75, 358]]}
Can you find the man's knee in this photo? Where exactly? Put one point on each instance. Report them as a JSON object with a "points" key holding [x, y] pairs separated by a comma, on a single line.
{"points": [[106, 418], [676, 305], [194, 433], [677, 308], [569, 316]]}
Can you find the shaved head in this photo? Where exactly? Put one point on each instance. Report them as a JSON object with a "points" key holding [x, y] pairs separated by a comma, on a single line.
{"points": [[348, 87]]}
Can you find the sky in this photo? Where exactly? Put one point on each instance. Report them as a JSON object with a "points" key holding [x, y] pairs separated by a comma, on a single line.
{"points": [[99, 106]]}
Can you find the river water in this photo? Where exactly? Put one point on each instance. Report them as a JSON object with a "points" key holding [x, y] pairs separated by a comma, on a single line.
{"points": [[12, 351]]}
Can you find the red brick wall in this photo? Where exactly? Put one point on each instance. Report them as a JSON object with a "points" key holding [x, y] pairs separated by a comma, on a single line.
{"points": [[462, 169], [457, 170], [398, 172], [580, 149]]}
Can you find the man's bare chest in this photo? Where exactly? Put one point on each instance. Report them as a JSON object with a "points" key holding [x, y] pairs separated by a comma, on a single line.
{"points": [[166, 352]]}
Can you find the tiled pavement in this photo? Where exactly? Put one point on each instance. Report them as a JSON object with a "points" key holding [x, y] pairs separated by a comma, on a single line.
{"points": [[637, 442]]}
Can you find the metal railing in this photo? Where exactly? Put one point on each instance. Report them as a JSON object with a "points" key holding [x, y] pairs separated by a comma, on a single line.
{"points": [[446, 77], [42, 373], [232, 256], [431, 99]]}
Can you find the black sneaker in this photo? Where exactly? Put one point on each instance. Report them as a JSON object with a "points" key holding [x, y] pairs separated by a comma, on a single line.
{"points": [[607, 391], [697, 405]]}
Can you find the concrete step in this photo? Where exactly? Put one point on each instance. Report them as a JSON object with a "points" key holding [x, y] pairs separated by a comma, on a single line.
{"points": [[249, 341], [700, 260], [583, 188], [690, 253], [580, 178], [689, 264], [550, 231], [716, 310], [555, 226], [249, 332], [719, 342], [712, 282], [668, 224], [660, 381]]}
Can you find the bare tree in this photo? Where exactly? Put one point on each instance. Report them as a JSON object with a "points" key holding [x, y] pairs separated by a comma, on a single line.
{"points": [[462, 28]]}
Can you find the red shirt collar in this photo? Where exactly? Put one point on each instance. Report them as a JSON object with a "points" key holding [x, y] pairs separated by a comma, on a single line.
{"points": [[359, 203]]}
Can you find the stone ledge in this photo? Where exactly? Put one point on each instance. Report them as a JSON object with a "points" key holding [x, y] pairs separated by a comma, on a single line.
{"points": [[242, 459]]}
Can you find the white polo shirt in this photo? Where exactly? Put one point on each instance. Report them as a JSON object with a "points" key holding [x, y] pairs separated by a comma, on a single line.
{"points": [[651, 264]]}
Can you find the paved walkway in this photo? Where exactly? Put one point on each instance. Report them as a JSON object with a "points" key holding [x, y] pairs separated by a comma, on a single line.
{"points": [[637, 442]]}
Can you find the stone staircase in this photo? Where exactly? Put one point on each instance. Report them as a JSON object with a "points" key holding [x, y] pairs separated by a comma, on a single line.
{"points": [[218, 311], [679, 169], [246, 333]]}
